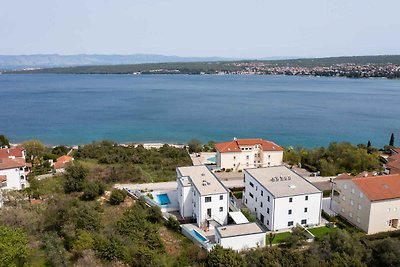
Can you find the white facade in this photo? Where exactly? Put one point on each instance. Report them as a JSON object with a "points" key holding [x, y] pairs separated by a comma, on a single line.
{"points": [[202, 196], [16, 178], [240, 236], [281, 199]]}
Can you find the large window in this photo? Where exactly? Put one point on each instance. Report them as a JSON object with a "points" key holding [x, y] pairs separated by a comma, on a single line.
{"points": [[268, 198], [208, 199], [290, 223], [304, 221]]}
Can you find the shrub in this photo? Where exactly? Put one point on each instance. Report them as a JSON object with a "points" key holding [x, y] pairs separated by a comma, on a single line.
{"points": [[173, 224], [117, 196]]}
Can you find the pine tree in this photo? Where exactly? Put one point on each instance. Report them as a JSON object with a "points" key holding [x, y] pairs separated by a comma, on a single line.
{"points": [[391, 142], [369, 144]]}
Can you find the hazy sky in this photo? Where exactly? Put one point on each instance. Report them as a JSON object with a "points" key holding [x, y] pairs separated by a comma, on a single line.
{"points": [[228, 28]]}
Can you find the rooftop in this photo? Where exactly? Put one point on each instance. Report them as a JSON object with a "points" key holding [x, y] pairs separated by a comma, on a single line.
{"points": [[280, 181], [11, 152], [379, 187], [236, 144], [203, 179], [7, 163], [239, 229]]}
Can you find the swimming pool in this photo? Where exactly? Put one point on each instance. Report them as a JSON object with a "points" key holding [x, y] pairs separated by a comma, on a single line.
{"points": [[212, 159], [163, 199], [199, 236]]}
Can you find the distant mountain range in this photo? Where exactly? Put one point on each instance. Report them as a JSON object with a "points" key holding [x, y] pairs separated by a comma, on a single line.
{"points": [[55, 60]]}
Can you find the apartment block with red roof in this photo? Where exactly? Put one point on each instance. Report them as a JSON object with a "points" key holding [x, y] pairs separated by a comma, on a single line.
{"points": [[240, 154], [13, 169], [369, 201], [61, 163]]}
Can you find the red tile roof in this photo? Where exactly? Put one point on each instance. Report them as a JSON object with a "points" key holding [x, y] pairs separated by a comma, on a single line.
{"points": [[11, 152], [394, 163], [11, 163], [379, 187], [61, 161], [397, 150], [234, 145]]}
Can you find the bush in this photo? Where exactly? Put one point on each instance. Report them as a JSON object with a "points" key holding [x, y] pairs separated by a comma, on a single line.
{"points": [[91, 190], [117, 196], [173, 224]]}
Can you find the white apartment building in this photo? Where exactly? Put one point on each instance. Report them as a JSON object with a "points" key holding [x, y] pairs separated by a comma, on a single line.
{"points": [[201, 195], [281, 198], [13, 169], [368, 201], [239, 154]]}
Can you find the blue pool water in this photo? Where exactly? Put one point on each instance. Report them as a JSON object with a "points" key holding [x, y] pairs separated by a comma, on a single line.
{"points": [[163, 199], [212, 159], [200, 236]]}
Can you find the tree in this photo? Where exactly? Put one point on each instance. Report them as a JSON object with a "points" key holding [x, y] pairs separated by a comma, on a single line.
{"points": [[387, 252], [296, 238], [391, 141], [221, 257], [194, 146], [75, 175], [117, 196], [271, 238], [92, 189], [13, 247], [60, 150], [369, 144], [34, 148], [4, 141]]}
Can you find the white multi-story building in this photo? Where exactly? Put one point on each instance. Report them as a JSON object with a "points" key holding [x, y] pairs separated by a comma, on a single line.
{"points": [[280, 198], [240, 154], [201, 195], [13, 169], [368, 201]]}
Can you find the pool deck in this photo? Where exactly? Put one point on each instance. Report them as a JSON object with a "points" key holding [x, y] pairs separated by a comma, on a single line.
{"points": [[203, 158]]}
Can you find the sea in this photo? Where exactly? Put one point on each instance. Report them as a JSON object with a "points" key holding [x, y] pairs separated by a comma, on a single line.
{"points": [[290, 110]]}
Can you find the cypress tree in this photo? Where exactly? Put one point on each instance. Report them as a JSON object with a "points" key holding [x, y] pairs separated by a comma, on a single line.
{"points": [[391, 142], [369, 144]]}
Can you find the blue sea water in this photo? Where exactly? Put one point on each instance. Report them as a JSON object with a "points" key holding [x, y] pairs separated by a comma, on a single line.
{"points": [[308, 111]]}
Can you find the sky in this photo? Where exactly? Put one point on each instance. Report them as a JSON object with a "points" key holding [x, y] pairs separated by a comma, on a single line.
{"points": [[224, 28]]}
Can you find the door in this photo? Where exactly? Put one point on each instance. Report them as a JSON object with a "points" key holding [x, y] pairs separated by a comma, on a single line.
{"points": [[262, 218], [209, 213]]}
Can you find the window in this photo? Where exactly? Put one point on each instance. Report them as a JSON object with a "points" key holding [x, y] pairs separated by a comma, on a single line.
{"points": [[255, 209], [208, 199], [246, 200], [221, 209], [256, 188], [304, 221], [234, 165], [261, 204], [194, 204], [221, 197], [359, 207], [290, 223], [305, 209], [342, 209], [269, 156], [289, 211], [358, 219], [234, 157], [388, 210], [361, 195], [194, 192], [345, 186], [251, 184], [267, 210], [351, 202], [350, 214], [268, 199], [256, 199], [290, 199], [343, 197], [306, 197], [267, 222], [251, 195], [353, 191], [262, 193], [247, 157]]}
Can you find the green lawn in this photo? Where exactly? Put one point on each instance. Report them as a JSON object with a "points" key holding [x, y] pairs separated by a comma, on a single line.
{"points": [[279, 238], [319, 232]]}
